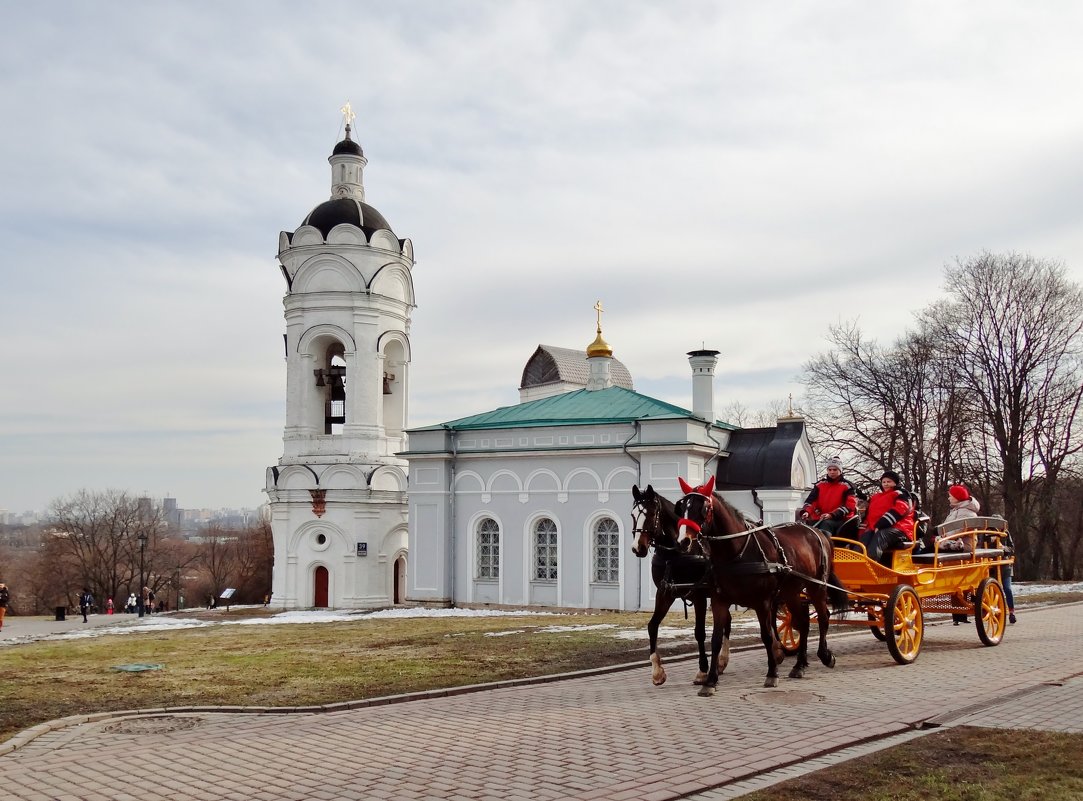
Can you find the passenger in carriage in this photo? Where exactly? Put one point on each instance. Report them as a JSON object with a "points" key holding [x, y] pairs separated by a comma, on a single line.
{"points": [[889, 520], [832, 501], [962, 506]]}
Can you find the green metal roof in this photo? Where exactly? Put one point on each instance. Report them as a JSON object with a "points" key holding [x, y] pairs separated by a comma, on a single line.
{"points": [[581, 407]]}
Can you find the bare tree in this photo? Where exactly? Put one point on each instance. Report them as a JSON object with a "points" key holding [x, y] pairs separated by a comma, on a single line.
{"points": [[1013, 335], [100, 532]]}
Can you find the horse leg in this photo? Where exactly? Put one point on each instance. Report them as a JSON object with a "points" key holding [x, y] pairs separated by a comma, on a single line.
{"points": [[699, 603], [708, 687], [770, 642], [724, 659], [800, 617], [662, 602], [822, 612]]}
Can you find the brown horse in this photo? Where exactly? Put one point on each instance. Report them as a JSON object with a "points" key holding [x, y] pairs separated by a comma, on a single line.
{"points": [[676, 573], [760, 569]]}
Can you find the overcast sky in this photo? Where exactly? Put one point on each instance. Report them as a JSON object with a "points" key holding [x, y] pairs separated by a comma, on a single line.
{"points": [[735, 175]]}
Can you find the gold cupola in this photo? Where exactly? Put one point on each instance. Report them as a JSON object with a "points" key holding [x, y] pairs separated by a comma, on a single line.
{"points": [[599, 347]]}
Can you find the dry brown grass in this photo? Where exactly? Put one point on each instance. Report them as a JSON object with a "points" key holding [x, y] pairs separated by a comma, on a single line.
{"points": [[301, 665], [961, 764]]}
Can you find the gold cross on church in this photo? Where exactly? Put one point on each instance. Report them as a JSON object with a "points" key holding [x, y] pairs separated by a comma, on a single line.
{"points": [[347, 114], [598, 308]]}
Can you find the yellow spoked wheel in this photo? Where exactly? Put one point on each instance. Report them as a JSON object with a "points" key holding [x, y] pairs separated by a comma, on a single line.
{"points": [[788, 636], [990, 611], [904, 624]]}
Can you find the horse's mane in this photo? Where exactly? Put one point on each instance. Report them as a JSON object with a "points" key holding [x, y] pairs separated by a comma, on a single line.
{"points": [[739, 517]]}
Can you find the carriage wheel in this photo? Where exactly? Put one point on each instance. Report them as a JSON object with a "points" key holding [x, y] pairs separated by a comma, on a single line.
{"points": [[788, 637], [990, 611], [877, 632], [904, 624]]}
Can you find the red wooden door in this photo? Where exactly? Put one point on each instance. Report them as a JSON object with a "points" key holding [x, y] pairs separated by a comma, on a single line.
{"points": [[321, 587]]}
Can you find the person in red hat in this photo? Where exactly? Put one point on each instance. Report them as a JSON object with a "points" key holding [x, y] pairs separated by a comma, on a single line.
{"points": [[962, 506]]}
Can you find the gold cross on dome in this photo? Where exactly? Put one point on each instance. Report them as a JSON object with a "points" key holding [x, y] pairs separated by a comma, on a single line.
{"points": [[347, 113], [598, 308]]}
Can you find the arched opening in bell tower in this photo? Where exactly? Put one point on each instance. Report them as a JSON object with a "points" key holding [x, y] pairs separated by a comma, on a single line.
{"points": [[394, 388], [332, 378]]}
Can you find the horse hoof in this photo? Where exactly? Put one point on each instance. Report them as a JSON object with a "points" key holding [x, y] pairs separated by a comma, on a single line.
{"points": [[831, 662], [797, 673], [772, 681], [659, 680], [705, 691], [701, 678]]}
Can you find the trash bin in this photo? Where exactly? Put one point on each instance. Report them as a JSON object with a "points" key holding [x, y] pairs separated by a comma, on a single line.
{"points": [[60, 610]]}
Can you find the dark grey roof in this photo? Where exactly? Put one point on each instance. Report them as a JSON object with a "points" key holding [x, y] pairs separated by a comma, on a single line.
{"points": [[346, 210], [760, 457], [550, 364], [347, 145]]}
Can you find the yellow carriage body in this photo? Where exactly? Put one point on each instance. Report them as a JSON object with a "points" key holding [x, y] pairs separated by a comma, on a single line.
{"points": [[892, 601]]}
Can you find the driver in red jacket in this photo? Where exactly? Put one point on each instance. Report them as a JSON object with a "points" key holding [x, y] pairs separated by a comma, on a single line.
{"points": [[889, 520], [832, 501]]}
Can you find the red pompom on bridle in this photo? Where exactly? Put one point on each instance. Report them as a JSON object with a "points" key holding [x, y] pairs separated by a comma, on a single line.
{"points": [[707, 491]]}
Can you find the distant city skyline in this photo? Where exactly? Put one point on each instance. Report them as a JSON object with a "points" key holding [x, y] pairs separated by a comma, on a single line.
{"points": [[720, 176]]}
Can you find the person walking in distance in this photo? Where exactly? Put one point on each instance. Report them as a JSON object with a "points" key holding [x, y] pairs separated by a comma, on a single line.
{"points": [[86, 600], [5, 599]]}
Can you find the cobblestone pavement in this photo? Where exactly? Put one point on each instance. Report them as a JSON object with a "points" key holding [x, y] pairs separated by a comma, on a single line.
{"points": [[610, 736]]}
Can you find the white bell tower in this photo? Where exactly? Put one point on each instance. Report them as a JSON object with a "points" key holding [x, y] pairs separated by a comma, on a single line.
{"points": [[338, 494]]}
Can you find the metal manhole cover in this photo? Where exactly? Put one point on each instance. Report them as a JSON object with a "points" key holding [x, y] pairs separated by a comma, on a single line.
{"points": [[789, 697], [163, 724]]}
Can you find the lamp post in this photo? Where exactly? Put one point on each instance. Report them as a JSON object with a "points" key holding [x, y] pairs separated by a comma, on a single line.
{"points": [[142, 548]]}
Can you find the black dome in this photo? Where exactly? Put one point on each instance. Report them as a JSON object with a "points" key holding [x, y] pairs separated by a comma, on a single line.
{"points": [[347, 145], [346, 210]]}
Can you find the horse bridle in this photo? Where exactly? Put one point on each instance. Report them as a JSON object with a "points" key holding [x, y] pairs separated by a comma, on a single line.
{"points": [[708, 516], [638, 529]]}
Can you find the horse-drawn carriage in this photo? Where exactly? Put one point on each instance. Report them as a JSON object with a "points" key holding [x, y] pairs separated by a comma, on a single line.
{"points": [[780, 571], [892, 601]]}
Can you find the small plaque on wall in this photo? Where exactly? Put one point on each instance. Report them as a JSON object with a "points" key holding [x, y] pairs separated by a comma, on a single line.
{"points": [[362, 549]]}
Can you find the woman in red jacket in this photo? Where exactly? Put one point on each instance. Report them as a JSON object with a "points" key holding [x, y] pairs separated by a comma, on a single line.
{"points": [[889, 520]]}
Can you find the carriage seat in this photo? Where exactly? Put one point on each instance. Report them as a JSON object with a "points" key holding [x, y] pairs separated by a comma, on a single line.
{"points": [[972, 524], [946, 557]]}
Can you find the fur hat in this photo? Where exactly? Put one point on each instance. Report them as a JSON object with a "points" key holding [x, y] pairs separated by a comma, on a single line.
{"points": [[959, 492], [893, 476], [834, 461]]}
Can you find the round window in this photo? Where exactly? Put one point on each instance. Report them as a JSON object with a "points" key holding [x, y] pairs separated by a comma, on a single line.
{"points": [[320, 540]]}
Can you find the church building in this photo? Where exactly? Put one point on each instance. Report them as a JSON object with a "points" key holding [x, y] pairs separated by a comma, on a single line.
{"points": [[530, 504], [522, 505]]}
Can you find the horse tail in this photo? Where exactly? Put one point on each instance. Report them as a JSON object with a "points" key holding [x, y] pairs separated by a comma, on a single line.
{"points": [[836, 593]]}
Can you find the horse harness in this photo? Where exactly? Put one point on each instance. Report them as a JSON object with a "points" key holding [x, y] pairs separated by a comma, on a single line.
{"points": [[746, 564]]}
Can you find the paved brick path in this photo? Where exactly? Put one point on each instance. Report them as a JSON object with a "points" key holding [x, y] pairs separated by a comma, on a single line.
{"points": [[611, 736]]}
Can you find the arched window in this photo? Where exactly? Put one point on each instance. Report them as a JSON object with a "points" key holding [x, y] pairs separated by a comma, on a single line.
{"points": [[545, 550], [607, 551], [488, 549]]}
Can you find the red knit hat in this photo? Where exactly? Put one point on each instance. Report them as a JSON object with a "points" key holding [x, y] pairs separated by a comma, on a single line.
{"points": [[959, 492]]}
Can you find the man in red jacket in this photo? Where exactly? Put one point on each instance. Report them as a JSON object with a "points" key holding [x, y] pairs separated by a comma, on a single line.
{"points": [[832, 501], [889, 520]]}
